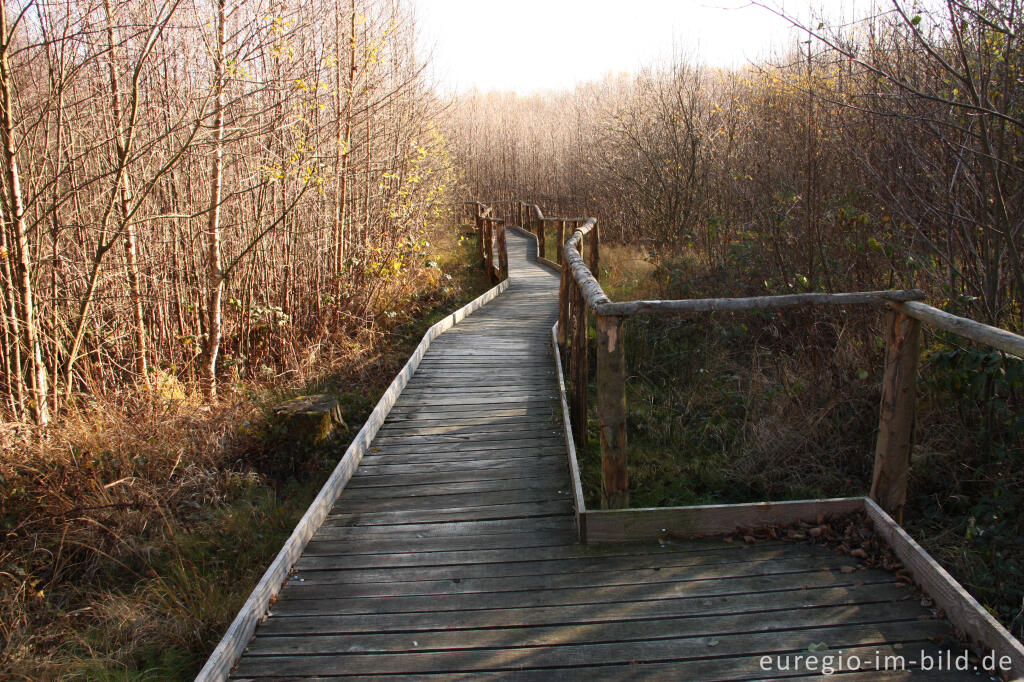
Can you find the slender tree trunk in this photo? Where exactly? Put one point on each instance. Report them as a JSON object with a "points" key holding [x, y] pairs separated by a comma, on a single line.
{"points": [[16, 215], [124, 191], [215, 279], [15, 379], [343, 136]]}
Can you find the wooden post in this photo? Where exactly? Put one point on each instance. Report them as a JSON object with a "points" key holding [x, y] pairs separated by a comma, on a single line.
{"points": [[502, 251], [541, 243], [611, 412], [561, 240], [595, 251], [521, 214], [896, 416], [564, 292], [479, 233], [579, 367], [489, 250]]}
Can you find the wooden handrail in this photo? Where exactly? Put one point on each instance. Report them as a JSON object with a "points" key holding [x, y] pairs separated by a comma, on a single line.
{"points": [[976, 331], [709, 305]]}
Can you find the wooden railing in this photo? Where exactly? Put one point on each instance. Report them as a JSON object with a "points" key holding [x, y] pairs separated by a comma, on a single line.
{"points": [[581, 295], [490, 240]]}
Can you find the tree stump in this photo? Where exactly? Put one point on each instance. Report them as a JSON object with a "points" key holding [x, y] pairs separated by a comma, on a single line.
{"points": [[309, 420]]}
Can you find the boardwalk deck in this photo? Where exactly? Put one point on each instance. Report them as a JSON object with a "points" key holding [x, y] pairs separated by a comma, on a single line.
{"points": [[452, 552]]}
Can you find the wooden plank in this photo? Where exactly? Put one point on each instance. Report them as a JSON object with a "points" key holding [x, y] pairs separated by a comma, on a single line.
{"points": [[398, 455], [415, 494], [454, 604], [726, 668], [324, 545], [337, 583], [412, 475], [653, 522], [554, 635], [554, 566], [449, 528], [960, 607], [362, 502], [753, 605], [230, 647], [462, 438], [496, 511], [409, 445], [534, 407], [675, 649]]}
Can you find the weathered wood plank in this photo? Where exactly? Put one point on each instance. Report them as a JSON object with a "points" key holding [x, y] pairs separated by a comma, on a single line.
{"points": [[493, 511], [725, 668], [753, 605], [960, 607], [554, 635], [695, 648], [327, 584], [455, 604], [633, 524]]}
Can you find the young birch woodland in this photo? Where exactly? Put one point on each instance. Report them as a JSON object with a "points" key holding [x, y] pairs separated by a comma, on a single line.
{"points": [[184, 180], [197, 196]]}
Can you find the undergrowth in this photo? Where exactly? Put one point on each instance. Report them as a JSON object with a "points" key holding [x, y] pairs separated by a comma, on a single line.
{"points": [[136, 528]]}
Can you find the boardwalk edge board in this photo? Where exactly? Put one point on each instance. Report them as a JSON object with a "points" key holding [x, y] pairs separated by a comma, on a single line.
{"points": [[230, 647], [578, 504], [651, 523], [961, 609]]}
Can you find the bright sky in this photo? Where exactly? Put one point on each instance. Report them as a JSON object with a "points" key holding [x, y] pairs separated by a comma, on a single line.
{"points": [[528, 45]]}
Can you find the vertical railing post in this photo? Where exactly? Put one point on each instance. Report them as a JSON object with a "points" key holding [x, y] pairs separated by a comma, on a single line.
{"points": [[564, 293], [595, 251], [896, 414], [561, 240], [579, 366], [542, 246], [489, 249], [479, 232], [502, 251], [611, 412]]}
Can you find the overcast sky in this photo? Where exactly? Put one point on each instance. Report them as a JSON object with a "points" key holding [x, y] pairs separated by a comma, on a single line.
{"points": [[528, 45]]}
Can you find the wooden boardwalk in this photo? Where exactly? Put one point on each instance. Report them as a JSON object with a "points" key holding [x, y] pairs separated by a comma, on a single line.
{"points": [[452, 552]]}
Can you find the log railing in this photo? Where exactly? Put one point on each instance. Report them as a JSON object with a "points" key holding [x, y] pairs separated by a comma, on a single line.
{"points": [[581, 295]]}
